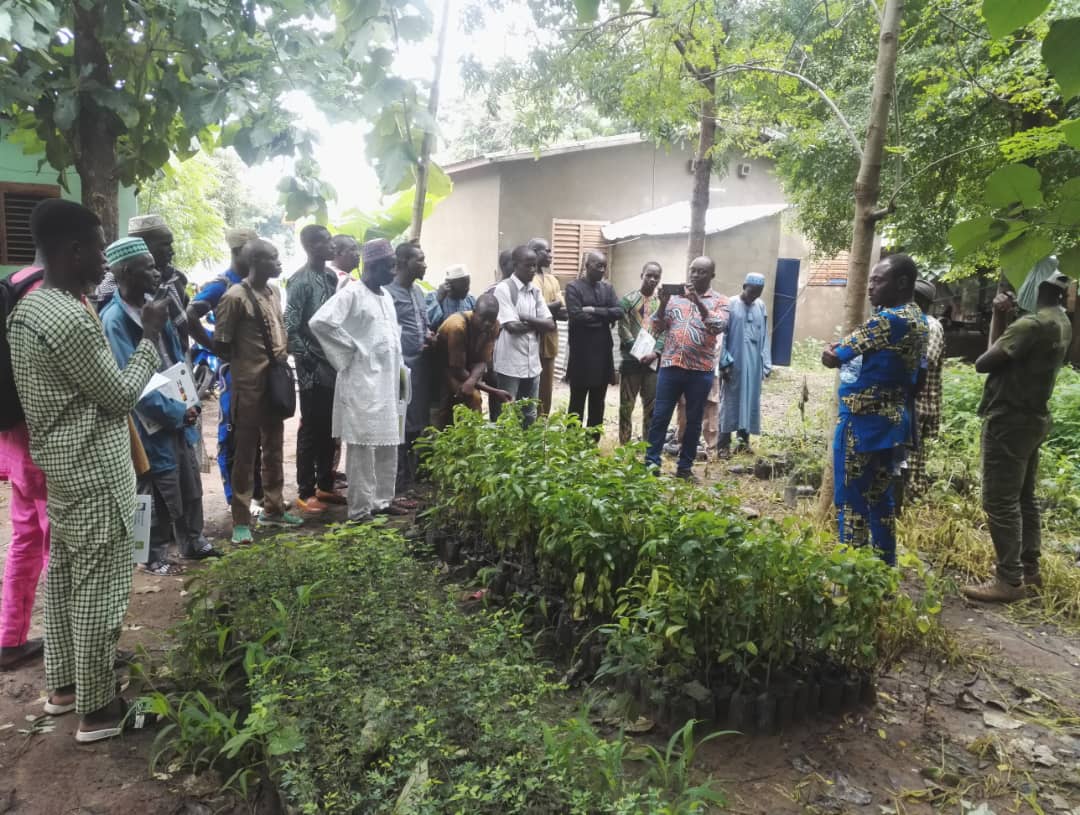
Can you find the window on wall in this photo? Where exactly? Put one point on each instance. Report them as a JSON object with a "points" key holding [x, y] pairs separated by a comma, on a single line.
{"points": [[17, 201], [570, 241], [829, 271]]}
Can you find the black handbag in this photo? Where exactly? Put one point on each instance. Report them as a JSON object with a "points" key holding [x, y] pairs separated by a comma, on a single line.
{"points": [[280, 399]]}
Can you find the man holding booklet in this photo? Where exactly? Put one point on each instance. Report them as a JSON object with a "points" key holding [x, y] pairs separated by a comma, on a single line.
{"points": [[165, 415], [640, 352]]}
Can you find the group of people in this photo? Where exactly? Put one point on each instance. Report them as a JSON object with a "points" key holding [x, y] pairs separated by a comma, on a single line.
{"points": [[377, 361], [890, 403]]}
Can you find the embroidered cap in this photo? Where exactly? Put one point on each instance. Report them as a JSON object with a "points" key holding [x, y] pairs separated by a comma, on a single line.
{"points": [[236, 238], [125, 248], [456, 272], [146, 223], [754, 279], [378, 249]]}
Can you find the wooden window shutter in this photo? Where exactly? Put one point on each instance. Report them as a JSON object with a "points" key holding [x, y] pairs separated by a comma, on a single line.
{"points": [[17, 201], [570, 241]]}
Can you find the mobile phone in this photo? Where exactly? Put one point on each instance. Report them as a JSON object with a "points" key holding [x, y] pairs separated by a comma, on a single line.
{"points": [[672, 289]]}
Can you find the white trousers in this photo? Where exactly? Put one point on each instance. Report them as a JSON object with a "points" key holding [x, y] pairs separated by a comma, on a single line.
{"points": [[372, 473]]}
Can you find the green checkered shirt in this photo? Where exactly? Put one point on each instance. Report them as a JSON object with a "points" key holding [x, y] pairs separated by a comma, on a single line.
{"points": [[77, 404]]}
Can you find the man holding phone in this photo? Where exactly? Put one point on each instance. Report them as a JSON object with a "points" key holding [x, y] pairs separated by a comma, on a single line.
{"points": [[691, 321]]}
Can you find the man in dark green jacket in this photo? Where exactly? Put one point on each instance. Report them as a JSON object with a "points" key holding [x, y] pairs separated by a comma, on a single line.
{"points": [[1023, 365]]}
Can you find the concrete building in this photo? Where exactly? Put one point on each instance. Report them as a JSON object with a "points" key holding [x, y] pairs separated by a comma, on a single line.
{"points": [[571, 193], [22, 186]]}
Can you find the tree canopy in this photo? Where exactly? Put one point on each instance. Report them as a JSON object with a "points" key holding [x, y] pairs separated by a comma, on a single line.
{"points": [[973, 93], [114, 88]]}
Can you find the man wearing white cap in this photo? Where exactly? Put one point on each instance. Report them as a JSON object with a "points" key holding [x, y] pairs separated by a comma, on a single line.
{"points": [[358, 331], [452, 297], [746, 361]]}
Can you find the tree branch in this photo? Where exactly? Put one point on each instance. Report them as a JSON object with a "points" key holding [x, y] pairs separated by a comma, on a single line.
{"points": [[810, 84], [892, 198]]}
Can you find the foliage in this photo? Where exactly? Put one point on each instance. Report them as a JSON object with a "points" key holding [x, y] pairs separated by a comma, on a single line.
{"points": [[200, 198], [338, 670], [683, 586], [182, 73], [394, 219], [1033, 211]]}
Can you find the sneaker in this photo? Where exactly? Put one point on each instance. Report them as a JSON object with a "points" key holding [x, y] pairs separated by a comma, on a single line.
{"points": [[241, 534], [994, 591], [312, 506], [205, 551], [163, 568], [672, 448], [333, 497], [284, 519], [687, 475]]}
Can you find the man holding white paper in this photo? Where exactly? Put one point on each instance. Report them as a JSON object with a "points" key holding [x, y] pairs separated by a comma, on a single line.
{"points": [[165, 415], [640, 352]]}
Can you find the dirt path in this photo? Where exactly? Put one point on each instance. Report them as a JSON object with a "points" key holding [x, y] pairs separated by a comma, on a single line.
{"points": [[929, 720]]}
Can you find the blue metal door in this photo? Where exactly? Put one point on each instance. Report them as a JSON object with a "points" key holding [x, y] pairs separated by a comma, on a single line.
{"points": [[785, 298]]}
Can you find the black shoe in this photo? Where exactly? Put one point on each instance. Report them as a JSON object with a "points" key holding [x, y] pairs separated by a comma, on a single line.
{"points": [[687, 475], [204, 553], [12, 656]]}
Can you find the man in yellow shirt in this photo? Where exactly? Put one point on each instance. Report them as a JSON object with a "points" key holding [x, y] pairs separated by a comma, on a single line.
{"points": [[549, 342]]}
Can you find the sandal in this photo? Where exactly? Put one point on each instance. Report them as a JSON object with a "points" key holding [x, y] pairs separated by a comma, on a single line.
{"points": [[163, 568], [132, 717]]}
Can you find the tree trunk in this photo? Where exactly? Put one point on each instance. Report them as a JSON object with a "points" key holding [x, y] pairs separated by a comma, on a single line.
{"points": [[94, 138], [699, 198], [867, 188], [429, 137]]}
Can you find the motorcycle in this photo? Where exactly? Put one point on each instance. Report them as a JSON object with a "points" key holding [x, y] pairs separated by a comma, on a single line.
{"points": [[204, 369]]}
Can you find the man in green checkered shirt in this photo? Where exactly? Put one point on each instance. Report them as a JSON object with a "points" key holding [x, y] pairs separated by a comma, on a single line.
{"points": [[77, 403]]}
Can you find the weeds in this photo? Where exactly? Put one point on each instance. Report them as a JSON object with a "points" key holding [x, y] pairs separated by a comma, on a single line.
{"points": [[339, 672]]}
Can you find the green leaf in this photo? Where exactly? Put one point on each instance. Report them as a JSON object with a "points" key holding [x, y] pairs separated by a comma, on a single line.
{"points": [[1071, 129], [1005, 16], [587, 10], [1069, 262], [1014, 184], [751, 648], [967, 237], [1020, 255], [1059, 54], [285, 740]]}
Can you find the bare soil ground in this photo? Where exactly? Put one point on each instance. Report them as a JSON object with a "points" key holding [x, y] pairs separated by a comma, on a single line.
{"points": [[1001, 727]]}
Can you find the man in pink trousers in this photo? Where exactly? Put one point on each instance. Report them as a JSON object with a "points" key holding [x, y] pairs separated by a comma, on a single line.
{"points": [[28, 552]]}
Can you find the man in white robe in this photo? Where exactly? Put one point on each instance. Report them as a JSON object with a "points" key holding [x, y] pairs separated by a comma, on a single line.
{"points": [[359, 333]]}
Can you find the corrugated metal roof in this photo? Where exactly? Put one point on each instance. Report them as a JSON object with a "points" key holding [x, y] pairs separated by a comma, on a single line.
{"points": [[598, 143], [674, 219]]}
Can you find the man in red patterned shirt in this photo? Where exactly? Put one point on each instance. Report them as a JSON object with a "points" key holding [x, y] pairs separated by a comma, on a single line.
{"points": [[691, 323]]}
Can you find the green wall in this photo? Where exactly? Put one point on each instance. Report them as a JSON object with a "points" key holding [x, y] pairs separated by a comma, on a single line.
{"points": [[17, 168]]}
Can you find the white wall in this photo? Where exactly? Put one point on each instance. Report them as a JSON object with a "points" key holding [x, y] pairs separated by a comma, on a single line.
{"points": [[464, 228]]}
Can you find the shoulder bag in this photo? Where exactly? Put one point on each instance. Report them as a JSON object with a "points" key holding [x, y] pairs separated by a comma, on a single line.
{"points": [[280, 379]]}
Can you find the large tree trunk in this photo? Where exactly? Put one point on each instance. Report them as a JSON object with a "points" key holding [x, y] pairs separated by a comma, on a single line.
{"points": [[429, 137], [94, 137], [703, 162], [867, 187]]}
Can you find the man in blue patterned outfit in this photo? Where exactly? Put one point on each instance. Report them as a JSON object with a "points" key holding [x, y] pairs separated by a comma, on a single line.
{"points": [[879, 366]]}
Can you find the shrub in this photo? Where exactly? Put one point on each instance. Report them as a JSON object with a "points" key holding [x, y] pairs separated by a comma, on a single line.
{"points": [[683, 585]]}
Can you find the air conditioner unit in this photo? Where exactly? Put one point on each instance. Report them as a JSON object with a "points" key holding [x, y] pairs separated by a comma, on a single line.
{"points": [[744, 170]]}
